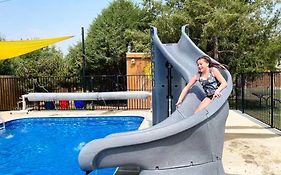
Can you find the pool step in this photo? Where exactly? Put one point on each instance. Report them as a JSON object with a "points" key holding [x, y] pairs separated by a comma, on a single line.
{"points": [[127, 171]]}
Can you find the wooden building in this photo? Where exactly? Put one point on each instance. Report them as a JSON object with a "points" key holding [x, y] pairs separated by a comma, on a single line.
{"points": [[139, 78]]}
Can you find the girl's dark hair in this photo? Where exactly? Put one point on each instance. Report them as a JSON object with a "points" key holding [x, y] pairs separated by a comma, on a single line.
{"points": [[211, 63]]}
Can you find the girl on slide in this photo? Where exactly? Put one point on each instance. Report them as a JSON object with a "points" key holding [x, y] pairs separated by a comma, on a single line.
{"points": [[211, 80]]}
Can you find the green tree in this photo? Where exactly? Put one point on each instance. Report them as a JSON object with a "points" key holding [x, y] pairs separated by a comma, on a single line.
{"points": [[139, 36], [41, 63], [6, 68], [166, 17], [241, 34], [121, 24], [238, 33], [73, 61], [106, 42]]}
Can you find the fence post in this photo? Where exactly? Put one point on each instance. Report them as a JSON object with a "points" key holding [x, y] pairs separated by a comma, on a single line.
{"points": [[117, 89], [92, 90], [271, 98], [242, 91], [236, 92]]}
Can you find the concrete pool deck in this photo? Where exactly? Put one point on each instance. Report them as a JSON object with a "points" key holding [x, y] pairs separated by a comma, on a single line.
{"points": [[250, 147]]}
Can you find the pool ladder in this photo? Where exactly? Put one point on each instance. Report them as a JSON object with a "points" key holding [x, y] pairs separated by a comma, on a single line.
{"points": [[2, 123]]}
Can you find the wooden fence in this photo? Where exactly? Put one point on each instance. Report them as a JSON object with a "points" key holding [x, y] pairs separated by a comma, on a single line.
{"points": [[9, 93]]}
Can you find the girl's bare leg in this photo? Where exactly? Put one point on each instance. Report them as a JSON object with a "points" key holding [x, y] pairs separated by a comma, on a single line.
{"points": [[203, 104]]}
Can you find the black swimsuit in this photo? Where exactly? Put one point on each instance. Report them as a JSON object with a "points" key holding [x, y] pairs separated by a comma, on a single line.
{"points": [[210, 85]]}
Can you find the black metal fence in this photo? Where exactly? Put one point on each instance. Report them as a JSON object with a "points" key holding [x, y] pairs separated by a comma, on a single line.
{"points": [[96, 83], [258, 94]]}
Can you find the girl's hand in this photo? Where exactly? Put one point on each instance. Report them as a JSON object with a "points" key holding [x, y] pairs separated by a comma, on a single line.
{"points": [[178, 103], [217, 94]]}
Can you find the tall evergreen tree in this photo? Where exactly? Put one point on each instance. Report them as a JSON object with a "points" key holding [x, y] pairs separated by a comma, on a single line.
{"points": [[106, 42]]}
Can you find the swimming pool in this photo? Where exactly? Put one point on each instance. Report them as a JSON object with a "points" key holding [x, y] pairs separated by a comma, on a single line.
{"points": [[37, 146]]}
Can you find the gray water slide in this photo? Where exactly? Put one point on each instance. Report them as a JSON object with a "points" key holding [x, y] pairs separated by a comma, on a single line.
{"points": [[183, 143]]}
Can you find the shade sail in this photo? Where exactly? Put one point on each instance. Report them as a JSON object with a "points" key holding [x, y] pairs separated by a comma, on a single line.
{"points": [[10, 49]]}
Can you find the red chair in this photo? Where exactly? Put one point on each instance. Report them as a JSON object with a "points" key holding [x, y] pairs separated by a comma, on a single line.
{"points": [[64, 104]]}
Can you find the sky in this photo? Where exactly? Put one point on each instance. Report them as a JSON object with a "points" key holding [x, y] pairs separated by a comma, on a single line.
{"points": [[29, 19]]}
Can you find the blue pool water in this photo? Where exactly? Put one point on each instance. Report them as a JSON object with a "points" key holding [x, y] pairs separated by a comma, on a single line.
{"points": [[50, 146]]}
